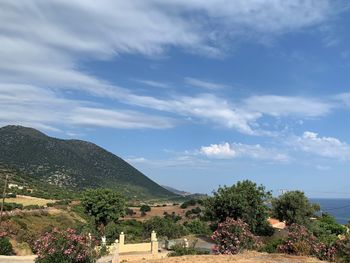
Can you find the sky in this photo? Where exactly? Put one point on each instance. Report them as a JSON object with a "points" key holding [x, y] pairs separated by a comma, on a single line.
{"points": [[195, 94]]}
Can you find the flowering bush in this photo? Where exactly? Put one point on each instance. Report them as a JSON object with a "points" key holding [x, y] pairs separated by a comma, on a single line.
{"points": [[343, 250], [233, 236], [64, 247], [5, 245], [301, 242]]}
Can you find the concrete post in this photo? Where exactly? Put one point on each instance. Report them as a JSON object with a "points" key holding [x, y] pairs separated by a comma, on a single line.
{"points": [[121, 238], [154, 243], [115, 258]]}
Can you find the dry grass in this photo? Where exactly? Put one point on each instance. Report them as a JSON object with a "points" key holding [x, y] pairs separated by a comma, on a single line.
{"points": [[28, 200], [159, 211], [247, 257]]}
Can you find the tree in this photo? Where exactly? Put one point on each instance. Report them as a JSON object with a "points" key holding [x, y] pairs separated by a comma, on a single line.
{"points": [[145, 208], [103, 205], [244, 200], [294, 208]]}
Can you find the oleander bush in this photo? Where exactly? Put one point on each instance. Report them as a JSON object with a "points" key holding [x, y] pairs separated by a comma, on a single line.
{"points": [[302, 242], [343, 250], [233, 237], [64, 247]]}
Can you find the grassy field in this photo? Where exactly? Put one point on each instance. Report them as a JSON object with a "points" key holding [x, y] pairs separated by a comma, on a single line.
{"points": [[28, 200]]}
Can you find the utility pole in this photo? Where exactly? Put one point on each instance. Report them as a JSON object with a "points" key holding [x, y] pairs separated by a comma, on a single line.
{"points": [[3, 198]]}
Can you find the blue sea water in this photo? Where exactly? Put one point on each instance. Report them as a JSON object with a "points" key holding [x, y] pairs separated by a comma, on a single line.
{"points": [[339, 208]]}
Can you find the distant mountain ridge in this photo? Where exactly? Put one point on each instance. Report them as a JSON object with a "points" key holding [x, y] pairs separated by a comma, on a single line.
{"points": [[72, 164], [176, 191]]}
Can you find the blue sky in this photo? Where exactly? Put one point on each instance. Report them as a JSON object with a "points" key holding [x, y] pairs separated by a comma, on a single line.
{"points": [[195, 94]]}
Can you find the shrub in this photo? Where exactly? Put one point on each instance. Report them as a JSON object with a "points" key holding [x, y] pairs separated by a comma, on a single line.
{"points": [[343, 250], [64, 247], [271, 246], [12, 206], [197, 227], [32, 207], [5, 245], [188, 203], [180, 250], [302, 242], [233, 236], [326, 229], [145, 208], [164, 227]]}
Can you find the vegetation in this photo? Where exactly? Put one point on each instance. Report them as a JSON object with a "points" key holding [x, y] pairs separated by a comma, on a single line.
{"points": [[5, 245], [244, 200], [73, 165], [233, 236], [294, 208], [103, 206], [64, 247], [302, 242], [197, 227], [145, 208], [164, 227], [180, 250], [327, 230]]}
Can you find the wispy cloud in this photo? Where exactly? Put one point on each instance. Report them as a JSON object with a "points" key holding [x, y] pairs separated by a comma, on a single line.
{"points": [[152, 83], [288, 106], [204, 84]]}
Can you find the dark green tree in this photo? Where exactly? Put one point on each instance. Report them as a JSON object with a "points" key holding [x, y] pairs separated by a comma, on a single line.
{"points": [[145, 208], [103, 205], [244, 200], [293, 207]]}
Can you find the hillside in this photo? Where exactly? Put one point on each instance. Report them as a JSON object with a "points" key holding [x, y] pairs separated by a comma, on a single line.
{"points": [[71, 164]]}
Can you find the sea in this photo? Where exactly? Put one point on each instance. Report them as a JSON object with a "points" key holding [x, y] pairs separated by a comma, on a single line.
{"points": [[339, 208]]}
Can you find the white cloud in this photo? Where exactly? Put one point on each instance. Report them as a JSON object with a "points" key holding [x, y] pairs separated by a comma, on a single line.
{"points": [[288, 106], [223, 150], [235, 150], [54, 38], [204, 84], [45, 109], [328, 147]]}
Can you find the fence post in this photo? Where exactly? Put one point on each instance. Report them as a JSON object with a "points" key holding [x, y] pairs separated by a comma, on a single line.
{"points": [[154, 243], [122, 239], [116, 253]]}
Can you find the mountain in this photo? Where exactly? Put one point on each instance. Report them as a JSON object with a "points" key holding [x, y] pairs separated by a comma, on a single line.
{"points": [[175, 191], [71, 164]]}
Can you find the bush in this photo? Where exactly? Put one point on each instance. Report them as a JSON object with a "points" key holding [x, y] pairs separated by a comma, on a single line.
{"points": [[303, 243], [64, 247], [32, 207], [197, 227], [180, 250], [5, 245], [145, 208], [12, 206], [232, 237], [326, 229], [188, 203], [164, 228], [271, 246], [343, 250]]}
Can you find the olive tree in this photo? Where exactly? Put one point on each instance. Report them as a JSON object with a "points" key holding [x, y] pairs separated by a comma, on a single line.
{"points": [[103, 205], [244, 200], [293, 207]]}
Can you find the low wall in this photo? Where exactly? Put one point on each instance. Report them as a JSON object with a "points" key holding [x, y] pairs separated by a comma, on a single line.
{"points": [[141, 247]]}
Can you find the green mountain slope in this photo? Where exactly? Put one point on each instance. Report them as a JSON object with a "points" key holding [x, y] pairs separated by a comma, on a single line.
{"points": [[72, 164]]}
